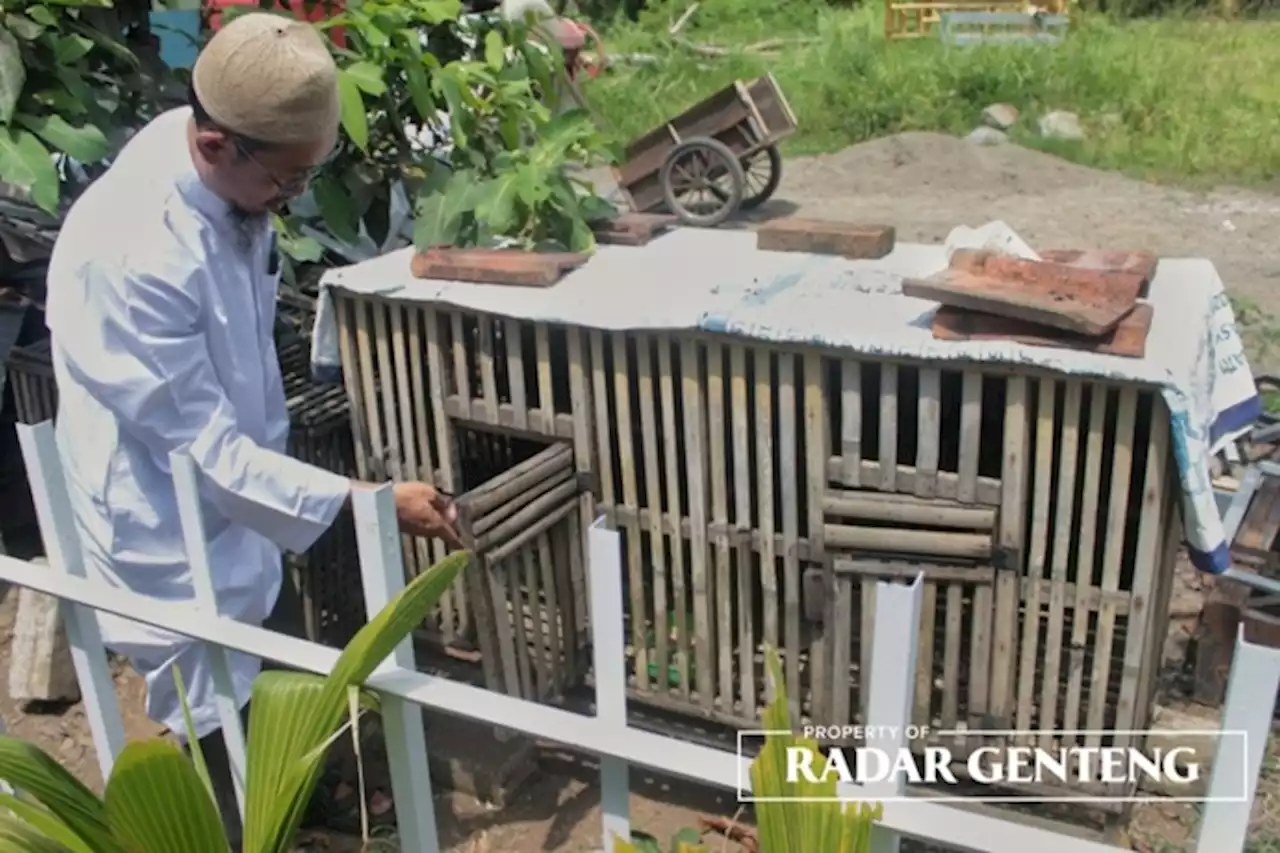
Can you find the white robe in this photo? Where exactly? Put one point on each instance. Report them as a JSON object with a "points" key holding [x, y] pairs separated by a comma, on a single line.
{"points": [[161, 307]]}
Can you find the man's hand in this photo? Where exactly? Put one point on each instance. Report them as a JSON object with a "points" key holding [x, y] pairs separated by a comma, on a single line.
{"points": [[422, 511]]}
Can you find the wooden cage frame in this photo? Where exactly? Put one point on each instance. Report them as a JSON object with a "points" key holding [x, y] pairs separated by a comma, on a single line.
{"points": [[1007, 490]]}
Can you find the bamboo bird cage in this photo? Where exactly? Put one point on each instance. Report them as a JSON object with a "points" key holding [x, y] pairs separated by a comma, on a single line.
{"points": [[760, 492]]}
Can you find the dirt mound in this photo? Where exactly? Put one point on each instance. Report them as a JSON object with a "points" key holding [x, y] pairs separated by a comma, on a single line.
{"points": [[949, 164]]}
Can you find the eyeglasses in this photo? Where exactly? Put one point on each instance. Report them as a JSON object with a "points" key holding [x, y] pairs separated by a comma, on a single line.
{"points": [[292, 185]]}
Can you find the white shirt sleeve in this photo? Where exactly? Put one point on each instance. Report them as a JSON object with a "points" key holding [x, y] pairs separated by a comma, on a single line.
{"points": [[147, 362]]}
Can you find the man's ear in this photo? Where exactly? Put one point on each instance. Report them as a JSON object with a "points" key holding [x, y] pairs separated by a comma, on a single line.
{"points": [[215, 146]]}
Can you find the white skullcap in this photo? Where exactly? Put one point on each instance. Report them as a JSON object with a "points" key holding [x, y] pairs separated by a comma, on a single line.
{"points": [[268, 78]]}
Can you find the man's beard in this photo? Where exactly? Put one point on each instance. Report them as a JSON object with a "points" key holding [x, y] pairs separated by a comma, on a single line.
{"points": [[248, 225]]}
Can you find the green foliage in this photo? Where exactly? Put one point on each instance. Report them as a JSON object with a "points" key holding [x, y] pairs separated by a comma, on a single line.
{"points": [[792, 816], [160, 801], [508, 180], [1143, 114], [67, 85]]}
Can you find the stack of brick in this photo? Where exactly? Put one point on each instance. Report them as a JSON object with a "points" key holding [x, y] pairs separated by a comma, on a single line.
{"points": [[1086, 300]]}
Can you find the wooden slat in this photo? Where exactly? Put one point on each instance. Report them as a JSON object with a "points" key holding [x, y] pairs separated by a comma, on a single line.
{"points": [[513, 568], [671, 453], [449, 480], [695, 460], [929, 428], [1013, 472], [630, 497], [817, 450], [1037, 552], [513, 340], [787, 457], [488, 375], [603, 424], [745, 556], [1086, 539], [556, 662], [888, 426], [546, 391], [987, 489], [1113, 557], [461, 365], [951, 656], [719, 475], [842, 648], [923, 715], [580, 408], [764, 498], [1146, 604], [1064, 536], [653, 498], [851, 421]]}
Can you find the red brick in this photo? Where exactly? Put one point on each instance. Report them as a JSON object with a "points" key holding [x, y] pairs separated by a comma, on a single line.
{"points": [[496, 266], [1074, 299], [634, 229], [1128, 338], [822, 237], [1143, 263]]}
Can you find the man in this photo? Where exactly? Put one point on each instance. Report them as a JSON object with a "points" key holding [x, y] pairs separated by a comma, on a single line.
{"points": [[162, 292]]}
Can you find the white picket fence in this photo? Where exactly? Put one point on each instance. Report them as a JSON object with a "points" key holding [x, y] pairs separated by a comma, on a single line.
{"points": [[405, 691]]}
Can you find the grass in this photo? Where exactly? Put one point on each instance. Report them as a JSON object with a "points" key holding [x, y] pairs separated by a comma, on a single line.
{"points": [[1185, 100]]}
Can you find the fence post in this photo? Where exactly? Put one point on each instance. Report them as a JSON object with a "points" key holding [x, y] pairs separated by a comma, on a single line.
{"points": [[187, 491], [382, 573], [1246, 728], [65, 552], [893, 676], [609, 663]]}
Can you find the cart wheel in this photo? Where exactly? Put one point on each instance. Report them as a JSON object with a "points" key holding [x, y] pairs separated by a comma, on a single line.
{"points": [[763, 172], [702, 181]]}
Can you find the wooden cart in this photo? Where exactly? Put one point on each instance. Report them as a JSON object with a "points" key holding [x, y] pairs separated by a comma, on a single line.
{"points": [[713, 159]]}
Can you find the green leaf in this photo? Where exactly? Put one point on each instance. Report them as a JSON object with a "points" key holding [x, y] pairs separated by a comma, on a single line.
{"points": [[25, 163], [420, 92], [294, 717], [643, 842], [107, 43], [355, 121], [336, 208], [441, 213], [494, 50], [18, 837], [86, 144], [596, 209], [367, 77], [306, 250], [193, 740], [41, 15], [25, 767], [581, 237], [44, 822], [13, 76], [23, 27], [685, 838], [496, 202], [94, 4], [71, 49], [452, 94], [156, 802]]}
